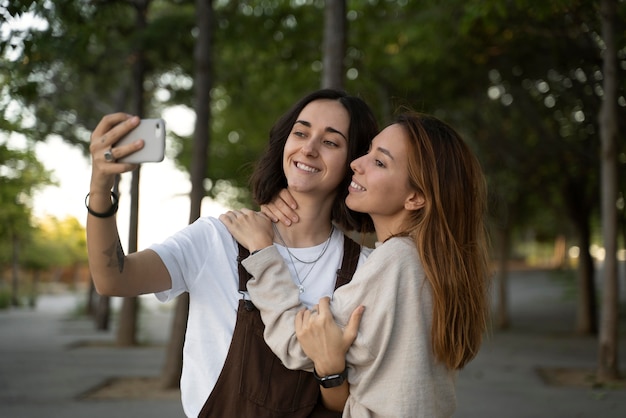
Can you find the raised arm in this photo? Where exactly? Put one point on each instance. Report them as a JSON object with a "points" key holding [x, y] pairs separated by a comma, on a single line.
{"points": [[113, 272]]}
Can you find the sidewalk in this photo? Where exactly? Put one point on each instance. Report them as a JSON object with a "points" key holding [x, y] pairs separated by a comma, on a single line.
{"points": [[48, 361], [503, 380], [46, 367]]}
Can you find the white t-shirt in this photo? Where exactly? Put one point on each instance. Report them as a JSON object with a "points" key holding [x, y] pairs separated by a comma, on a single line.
{"points": [[202, 260]]}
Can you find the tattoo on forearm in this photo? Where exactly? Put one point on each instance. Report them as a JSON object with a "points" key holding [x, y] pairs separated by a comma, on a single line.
{"points": [[116, 256]]}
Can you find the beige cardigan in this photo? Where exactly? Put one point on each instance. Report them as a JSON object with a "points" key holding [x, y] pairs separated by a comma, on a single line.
{"points": [[391, 367]]}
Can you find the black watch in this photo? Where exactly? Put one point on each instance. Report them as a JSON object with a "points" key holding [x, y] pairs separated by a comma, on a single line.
{"points": [[332, 380]]}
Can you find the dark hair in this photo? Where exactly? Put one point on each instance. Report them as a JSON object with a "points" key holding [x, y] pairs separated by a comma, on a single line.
{"points": [[268, 178]]}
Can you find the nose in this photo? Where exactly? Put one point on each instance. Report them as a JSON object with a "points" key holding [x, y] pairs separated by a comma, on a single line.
{"points": [[356, 164], [309, 148]]}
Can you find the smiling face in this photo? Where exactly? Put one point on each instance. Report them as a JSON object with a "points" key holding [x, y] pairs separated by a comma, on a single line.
{"points": [[316, 150], [380, 184]]}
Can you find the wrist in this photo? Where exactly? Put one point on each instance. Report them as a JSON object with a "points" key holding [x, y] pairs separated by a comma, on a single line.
{"points": [[256, 248], [329, 368], [100, 206], [331, 380]]}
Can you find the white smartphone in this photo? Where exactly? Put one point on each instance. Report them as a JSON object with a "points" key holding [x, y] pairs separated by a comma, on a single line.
{"points": [[152, 131]]}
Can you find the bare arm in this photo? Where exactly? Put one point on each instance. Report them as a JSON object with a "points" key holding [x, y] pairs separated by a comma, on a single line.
{"points": [[114, 273]]}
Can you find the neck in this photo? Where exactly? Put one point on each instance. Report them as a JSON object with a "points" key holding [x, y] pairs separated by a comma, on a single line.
{"points": [[388, 226], [314, 223]]}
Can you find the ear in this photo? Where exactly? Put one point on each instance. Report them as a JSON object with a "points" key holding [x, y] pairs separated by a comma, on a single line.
{"points": [[414, 201]]}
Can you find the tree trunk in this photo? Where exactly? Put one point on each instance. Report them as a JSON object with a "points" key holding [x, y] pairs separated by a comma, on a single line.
{"points": [[579, 212], [170, 376], [608, 366], [127, 331], [92, 297], [15, 269], [560, 252], [32, 299], [103, 313], [586, 313], [334, 44], [504, 245]]}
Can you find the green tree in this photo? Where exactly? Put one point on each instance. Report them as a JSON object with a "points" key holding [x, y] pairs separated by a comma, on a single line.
{"points": [[21, 175], [54, 245]]}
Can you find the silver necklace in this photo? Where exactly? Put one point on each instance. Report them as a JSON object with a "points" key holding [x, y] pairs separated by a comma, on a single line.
{"points": [[301, 287]]}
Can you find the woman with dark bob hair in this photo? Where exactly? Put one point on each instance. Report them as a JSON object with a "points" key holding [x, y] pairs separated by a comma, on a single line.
{"points": [[228, 370]]}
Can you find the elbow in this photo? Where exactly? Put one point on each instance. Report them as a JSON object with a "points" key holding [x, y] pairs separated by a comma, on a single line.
{"points": [[103, 289], [106, 287]]}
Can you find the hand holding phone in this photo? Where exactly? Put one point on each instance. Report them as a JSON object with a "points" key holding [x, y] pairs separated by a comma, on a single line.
{"points": [[152, 131]]}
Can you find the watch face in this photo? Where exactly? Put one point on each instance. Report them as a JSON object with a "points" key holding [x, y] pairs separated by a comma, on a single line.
{"points": [[332, 381]]}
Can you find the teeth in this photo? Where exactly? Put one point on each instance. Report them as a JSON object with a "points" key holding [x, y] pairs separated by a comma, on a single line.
{"points": [[356, 186], [307, 168]]}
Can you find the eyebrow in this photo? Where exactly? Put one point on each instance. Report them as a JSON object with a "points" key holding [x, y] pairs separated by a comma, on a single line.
{"points": [[328, 128], [385, 151]]}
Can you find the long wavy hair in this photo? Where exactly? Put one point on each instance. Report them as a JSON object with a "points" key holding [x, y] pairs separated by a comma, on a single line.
{"points": [[450, 235], [268, 178]]}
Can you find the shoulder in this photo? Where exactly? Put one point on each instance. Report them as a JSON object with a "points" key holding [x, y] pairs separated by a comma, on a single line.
{"points": [[393, 259], [204, 232], [363, 251], [400, 248], [209, 226]]}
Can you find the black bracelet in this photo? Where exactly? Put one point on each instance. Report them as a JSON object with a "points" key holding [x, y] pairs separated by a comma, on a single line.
{"points": [[112, 211]]}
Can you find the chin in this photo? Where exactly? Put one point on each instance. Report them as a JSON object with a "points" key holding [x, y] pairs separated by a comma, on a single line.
{"points": [[351, 204]]}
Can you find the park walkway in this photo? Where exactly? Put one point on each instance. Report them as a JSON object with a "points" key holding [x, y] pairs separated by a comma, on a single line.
{"points": [[49, 359]]}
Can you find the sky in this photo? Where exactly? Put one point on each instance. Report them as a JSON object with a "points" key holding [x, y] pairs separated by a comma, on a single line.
{"points": [[163, 189]]}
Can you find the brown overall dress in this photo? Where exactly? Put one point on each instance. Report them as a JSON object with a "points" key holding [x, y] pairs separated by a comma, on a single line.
{"points": [[253, 382]]}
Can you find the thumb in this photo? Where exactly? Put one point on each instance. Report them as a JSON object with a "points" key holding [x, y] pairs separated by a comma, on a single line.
{"points": [[352, 329]]}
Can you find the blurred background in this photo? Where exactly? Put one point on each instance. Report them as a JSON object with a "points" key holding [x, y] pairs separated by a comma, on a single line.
{"points": [[536, 88]]}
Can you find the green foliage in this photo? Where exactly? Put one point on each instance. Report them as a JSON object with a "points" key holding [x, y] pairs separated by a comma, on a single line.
{"points": [[246, 99], [20, 176], [520, 79], [55, 243]]}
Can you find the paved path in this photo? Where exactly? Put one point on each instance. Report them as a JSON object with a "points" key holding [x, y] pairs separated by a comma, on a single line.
{"points": [[503, 380], [45, 368]]}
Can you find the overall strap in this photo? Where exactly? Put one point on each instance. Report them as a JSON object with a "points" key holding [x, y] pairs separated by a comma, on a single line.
{"points": [[351, 253], [244, 276]]}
